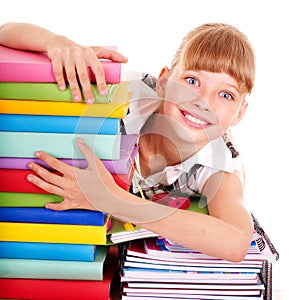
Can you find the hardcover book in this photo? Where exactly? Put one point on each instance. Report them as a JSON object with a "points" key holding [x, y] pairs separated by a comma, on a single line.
{"points": [[54, 251], [60, 145], [54, 269], [53, 233], [117, 108], [49, 92], [27, 66], [59, 124]]}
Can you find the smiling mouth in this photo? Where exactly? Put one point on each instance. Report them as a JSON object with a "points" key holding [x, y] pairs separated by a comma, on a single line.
{"points": [[192, 120]]}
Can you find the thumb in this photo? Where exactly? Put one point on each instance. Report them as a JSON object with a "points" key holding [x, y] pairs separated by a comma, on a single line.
{"points": [[87, 152], [57, 206]]}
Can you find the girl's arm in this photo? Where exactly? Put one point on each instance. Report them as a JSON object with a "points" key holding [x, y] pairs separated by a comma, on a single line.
{"points": [[66, 56], [225, 233]]}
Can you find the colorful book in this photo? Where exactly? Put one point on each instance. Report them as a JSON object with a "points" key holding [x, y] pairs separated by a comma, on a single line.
{"points": [[117, 108], [50, 92], [53, 233], [54, 269], [59, 124], [48, 216], [60, 145], [49, 251], [128, 151], [48, 289], [12, 199], [26, 66], [15, 181]]}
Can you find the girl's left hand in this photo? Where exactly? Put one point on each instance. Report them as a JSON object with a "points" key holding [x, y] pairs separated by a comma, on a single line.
{"points": [[75, 185]]}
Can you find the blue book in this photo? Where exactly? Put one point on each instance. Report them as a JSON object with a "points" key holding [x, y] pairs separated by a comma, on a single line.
{"points": [[59, 124], [48, 251], [48, 216]]}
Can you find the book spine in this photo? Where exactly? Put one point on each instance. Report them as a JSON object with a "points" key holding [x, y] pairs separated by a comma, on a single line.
{"points": [[59, 145], [48, 216], [11, 199], [25, 66], [49, 92], [48, 251], [53, 233], [54, 269], [59, 124]]}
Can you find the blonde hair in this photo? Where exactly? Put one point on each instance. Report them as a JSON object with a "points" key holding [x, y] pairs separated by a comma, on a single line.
{"points": [[217, 47]]}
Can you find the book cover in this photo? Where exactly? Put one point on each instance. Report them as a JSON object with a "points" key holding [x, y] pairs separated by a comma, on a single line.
{"points": [[60, 145], [117, 108], [49, 216], [48, 289], [49, 251], [54, 269], [128, 151], [53, 233], [15, 181], [59, 124], [12, 199], [50, 92], [27, 66]]}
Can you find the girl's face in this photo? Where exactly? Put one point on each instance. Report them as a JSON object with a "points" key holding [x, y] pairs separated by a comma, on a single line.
{"points": [[205, 103]]}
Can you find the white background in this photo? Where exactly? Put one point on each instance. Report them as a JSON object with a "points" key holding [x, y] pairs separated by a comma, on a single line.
{"points": [[149, 32]]}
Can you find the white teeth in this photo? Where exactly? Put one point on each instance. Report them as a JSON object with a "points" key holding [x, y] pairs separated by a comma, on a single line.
{"points": [[195, 120]]}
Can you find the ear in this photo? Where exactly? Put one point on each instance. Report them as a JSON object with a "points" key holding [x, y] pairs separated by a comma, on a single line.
{"points": [[240, 114], [161, 82]]}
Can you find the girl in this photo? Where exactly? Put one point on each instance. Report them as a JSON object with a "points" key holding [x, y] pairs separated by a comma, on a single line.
{"points": [[182, 137]]}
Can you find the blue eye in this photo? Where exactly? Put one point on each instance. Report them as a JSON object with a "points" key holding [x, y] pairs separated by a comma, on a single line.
{"points": [[226, 96], [192, 81]]}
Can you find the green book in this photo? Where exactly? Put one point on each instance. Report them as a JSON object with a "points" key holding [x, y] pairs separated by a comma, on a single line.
{"points": [[12, 199], [54, 269], [60, 145], [49, 92]]}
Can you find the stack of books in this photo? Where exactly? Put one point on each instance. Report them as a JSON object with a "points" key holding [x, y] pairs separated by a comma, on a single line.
{"points": [[156, 268], [46, 254]]}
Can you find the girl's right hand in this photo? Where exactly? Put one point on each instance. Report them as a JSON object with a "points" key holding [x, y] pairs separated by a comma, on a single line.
{"points": [[71, 61]]}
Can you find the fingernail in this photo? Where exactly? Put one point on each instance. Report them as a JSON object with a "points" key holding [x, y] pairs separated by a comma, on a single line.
{"points": [[90, 101], [62, 87], [80, 140], [103, 92], [38, 154], [30, 165], [29, 178], [77, 98]]}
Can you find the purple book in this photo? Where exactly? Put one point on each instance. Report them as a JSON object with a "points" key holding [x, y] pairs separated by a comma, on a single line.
{"points": [[128, 152]]}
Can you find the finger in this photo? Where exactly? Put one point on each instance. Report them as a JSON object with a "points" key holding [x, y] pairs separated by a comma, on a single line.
{"points": [[53, 162], [72, 79], [84, 79], [110, 54], [48, 187], [59, 74], [87, 153], [57, 206], [97, 69]]}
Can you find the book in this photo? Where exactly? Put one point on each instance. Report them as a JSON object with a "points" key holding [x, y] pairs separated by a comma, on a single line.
{"points": [[117, 108], [54, 269], [50, 92], [12, 199], [60, 145], [49, 216], [15, 181], [53, 233], [48, 289], [54, 251], [128, 151], [59, 124], [27, 66]]}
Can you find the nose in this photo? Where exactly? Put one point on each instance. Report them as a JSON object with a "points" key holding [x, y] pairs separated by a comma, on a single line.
{"points": [[202, 102]]}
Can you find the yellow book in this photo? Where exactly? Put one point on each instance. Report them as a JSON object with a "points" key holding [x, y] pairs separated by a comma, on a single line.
{"points": [[53, 233], [117, 108]]}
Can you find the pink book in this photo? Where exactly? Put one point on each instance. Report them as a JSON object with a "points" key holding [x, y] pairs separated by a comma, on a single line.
{"points": [[26, 66]]}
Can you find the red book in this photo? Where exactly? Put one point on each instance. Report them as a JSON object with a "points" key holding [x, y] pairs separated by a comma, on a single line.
{"points": [[48, 289], [26, 66], [15, 181]]}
